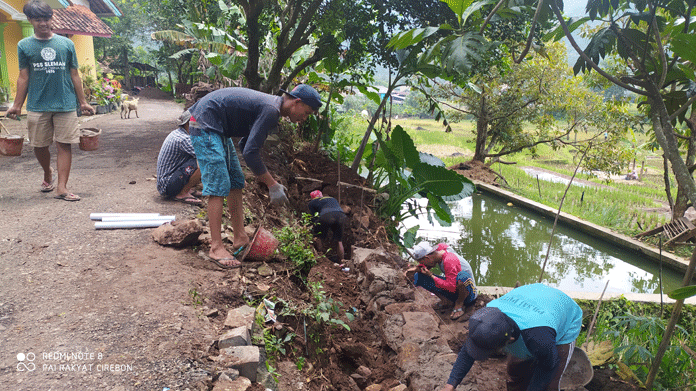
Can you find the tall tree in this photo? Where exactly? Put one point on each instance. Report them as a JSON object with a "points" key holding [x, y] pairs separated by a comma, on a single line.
{"points": [[300, 34], [656, 39], [540, 91], [128, 29]]}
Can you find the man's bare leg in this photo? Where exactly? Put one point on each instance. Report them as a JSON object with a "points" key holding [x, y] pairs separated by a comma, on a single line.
{"points": [[194, 179], [63, 162], [234, 202], [217, 249], [341, 252], [43, 155]]}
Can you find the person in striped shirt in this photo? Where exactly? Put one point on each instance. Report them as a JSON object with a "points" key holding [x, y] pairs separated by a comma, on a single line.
{"points": [[177, 168]]}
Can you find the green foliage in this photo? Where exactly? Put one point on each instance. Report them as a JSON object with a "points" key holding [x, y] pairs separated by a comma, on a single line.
{"points": [[219, 48], [296, 243], [273, 371], [274, 344], [196, 298], [326, 308], [683, 292], [402, 172], [636, 330]]}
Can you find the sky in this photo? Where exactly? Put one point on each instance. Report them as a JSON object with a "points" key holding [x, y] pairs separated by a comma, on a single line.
{"points": [[574, 7]]}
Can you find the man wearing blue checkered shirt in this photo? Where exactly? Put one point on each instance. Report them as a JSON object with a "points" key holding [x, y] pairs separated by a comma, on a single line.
{"points": [[177, 168]]}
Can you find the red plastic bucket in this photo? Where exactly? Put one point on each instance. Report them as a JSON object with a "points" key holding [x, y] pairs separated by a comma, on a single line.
{"points": [[11, 145], [263, 245], [89, 139]]}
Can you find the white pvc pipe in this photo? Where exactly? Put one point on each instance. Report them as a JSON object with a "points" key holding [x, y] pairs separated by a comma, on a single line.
{"points": [[129, 224], [137, 218], [99, 216]]}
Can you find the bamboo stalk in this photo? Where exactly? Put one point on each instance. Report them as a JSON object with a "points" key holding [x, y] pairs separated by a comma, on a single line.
{"points": [[594, 317], [555, 221]]}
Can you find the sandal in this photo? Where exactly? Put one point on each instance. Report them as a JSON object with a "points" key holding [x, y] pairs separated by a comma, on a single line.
{"points": [[191, 200], [68, 197], [457, 313], [219, 263], [47, 187], [238, 250]]}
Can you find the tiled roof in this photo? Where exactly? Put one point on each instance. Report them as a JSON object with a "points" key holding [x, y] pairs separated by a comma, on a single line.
{"points": [[104, 8], [79, 20]]}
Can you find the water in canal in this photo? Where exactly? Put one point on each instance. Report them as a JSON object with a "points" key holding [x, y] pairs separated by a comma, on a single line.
{"points": [[505, 244]]}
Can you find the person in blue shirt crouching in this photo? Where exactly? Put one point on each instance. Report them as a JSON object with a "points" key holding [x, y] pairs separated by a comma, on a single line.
{"points": [[535, 325]]}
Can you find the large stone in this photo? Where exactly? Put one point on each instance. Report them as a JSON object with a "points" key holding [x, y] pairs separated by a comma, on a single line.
{"points": [[432, 372], [238, 336], [360, 255], [392, 330], [239, 384], [245, 359], [240, 316], [178, 233], [419, 326]]}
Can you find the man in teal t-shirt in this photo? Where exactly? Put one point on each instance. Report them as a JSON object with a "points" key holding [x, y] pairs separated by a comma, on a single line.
{"points": [[535, 325], [49, 81]]}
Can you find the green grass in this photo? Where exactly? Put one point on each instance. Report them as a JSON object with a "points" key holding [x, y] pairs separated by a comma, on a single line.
{"points": [[608, 207]]}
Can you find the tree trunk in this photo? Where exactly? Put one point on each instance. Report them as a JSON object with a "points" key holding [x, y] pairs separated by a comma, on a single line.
{"points": [[665, 137], [668, 185], [682, 202], [368, 132], [481, 131], [253, 9], [171, 83], [126, 70]]}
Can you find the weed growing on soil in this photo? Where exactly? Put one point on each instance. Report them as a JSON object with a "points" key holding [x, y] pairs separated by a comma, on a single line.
{"points": [[296, 243], [635, 330], [326, 307], [275, 345], [196, 298]]}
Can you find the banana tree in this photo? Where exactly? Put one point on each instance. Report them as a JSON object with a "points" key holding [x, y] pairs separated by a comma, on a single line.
{"points": [[403, 173]]}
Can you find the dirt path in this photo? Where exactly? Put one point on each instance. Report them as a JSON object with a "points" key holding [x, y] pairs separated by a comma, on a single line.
{"points": [[94, 309]]}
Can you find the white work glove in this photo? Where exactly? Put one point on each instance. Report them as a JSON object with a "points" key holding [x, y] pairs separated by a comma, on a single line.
{"points": [[277, 193]]}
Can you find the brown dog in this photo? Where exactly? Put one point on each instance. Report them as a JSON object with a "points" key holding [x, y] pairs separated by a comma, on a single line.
{"points": [[128, 106]]}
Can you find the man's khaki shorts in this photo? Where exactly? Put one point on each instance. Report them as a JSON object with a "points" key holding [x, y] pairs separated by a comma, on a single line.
{"points": [[46, 127]]}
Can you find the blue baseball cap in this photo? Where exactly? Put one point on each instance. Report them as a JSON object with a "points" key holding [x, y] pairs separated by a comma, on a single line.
{"points": [[307, 94]]}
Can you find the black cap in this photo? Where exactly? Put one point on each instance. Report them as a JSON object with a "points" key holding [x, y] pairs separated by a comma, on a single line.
{"points": [[489, 330]]}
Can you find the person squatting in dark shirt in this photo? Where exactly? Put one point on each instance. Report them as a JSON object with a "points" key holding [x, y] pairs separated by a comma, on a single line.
{"points": [[331, 218]]}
